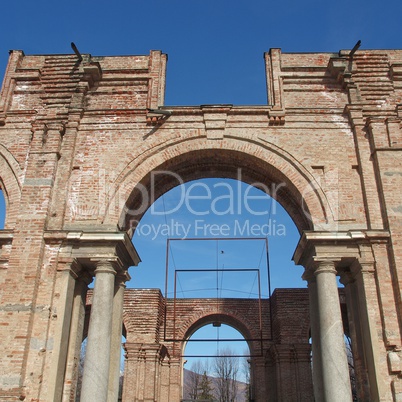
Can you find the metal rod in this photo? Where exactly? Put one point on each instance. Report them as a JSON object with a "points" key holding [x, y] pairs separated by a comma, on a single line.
{"points": [[76, 51], [174, 311], [221, 340], [260, 308], [214, 238], [188, 356], [166, 287], [218, 270], [269, 288], [355, 47]]}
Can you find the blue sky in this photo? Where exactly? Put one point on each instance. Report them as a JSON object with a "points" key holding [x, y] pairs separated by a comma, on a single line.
{"points": [[215, 48], [229, 209], [215, 51]]}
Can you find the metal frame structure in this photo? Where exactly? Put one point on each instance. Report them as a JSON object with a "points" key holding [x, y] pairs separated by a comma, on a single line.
{"points": [[217, 270]]}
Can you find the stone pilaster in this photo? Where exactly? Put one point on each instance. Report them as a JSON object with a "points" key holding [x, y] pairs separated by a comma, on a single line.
{"points": [[364, 274], [75, 339], [61, 319], [315, 335], [356, 335], [131, 371]]}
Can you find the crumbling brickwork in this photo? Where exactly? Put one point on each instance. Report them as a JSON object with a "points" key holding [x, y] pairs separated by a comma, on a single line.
{"points": [[81, 143]]}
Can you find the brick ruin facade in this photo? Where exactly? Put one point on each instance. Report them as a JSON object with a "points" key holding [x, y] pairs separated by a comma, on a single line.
{"points": [[280, 352], [80, 139]]}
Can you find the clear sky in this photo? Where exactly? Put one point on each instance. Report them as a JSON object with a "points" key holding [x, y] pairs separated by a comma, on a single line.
{"points": [[215, 51], [215, 48]]}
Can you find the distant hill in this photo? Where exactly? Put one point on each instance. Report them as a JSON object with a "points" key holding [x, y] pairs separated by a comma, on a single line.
{"points": [[187, 380]]}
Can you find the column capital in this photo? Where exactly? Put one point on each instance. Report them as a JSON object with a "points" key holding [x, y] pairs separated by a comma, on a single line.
{"points": [[106, 266], [324, 266], [319, 266]]}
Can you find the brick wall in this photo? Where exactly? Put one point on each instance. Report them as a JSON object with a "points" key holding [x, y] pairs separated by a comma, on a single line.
{"points": [[77, 143]]}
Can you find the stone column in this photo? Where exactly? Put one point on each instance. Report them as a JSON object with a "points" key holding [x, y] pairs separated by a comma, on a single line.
{"points": [[364, 274], [335, 373], [97, 359], [115, 347], [315, 335]]}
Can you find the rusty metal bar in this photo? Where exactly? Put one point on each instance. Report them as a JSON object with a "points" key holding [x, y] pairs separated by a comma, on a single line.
{"points": [[259, 355], [269, 288], [166, 286]]}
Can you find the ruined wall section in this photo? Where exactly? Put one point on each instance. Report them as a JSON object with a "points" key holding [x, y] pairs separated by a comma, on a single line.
{"points": [[288, 306], [145, 322], [42, 102], [309, 103], [143, 316], [111, 134]]}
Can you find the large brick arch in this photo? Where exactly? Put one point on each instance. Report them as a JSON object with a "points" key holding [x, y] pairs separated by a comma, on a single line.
{"points": [[258, 163]]}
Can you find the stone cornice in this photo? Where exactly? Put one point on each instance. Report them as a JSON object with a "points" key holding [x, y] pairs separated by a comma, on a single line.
{"points": [[89, 247], [335, 246]]}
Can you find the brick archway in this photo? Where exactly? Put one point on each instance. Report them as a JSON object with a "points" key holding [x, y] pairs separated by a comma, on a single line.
{"points": [[80, 136], [264, 165], [155, 341]]}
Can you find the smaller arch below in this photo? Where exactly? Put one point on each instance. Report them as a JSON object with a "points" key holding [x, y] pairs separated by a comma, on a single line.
{"points": [[218, 320], [241, 314]]}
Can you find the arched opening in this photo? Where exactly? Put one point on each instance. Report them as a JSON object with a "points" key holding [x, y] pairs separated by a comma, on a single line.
{"points": [[217, 368], [285, 182], [215, 210], [281, 176]]}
